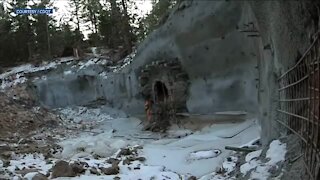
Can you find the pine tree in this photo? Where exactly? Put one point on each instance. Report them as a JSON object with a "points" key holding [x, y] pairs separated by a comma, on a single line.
{"points": [[22, 32], [43, 30], [90, 13], [160, 10]]}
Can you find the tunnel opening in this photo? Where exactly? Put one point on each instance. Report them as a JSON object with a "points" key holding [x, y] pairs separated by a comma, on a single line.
{"points": [[160, 92]]}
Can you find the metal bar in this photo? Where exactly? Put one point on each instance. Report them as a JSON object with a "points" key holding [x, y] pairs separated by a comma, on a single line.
{"points": [[300, 60], [315, 116], [294, 115], [315, 89], [309, 144], [299, 108], [293, 84], [297, 99], [292, 130], [315, 148], [315, 62], [251, 30]]}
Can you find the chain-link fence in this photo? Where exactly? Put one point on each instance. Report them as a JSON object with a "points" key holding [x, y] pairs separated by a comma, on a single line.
{"points": [[299, 105]]}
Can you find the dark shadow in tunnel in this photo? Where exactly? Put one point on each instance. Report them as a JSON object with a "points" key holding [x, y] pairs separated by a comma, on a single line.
{"points": [[160, 91]]}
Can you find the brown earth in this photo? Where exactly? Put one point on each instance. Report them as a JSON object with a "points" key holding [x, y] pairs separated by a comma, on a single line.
{"points": [[24, 124]]}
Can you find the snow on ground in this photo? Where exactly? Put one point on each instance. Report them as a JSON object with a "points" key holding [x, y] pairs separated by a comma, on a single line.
{"points": [[206, 147], [21, 163], [18, 79], [230, 164], [174, 154], [126, 61], [84, 114], [166, 158], [198, 155], [101, 145], [178, 154], [260, 170], [133, 171], [227, 167], [25, 161], [17, 74]]}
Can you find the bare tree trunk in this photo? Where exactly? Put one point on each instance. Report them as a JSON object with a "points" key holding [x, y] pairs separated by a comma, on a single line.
{"points": [[127, 29], [115, 14], [76, 5], [95, 23], [48, 36]]}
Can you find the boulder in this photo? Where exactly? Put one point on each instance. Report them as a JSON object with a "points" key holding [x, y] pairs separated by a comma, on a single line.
{"points": [[113, 170], [124, 152], [62, 169], [94, 170], [192, 178], [78, 167], [112, 160], [39, 176]]}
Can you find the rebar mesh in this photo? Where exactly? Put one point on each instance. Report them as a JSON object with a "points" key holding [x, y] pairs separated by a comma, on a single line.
{"points": [[299, 105]]}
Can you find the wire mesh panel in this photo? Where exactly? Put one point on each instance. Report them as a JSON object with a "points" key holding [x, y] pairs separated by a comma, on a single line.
{"points": [[299, 105]]}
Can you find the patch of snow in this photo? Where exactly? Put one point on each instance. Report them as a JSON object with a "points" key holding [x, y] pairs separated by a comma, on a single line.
{"points": [[260, 170], [83, 146], [66, 59], [16, 75], [67, 72], [126, 61], [103, 75], [88, 63], [245, 168], [16, 70], [252, 155], [17, 79], [135, 170], [103, 62], [24, 161], [30, 175], [44, 78], [204, 154], [172, 154], [215, 176], [276, 152], [84, 114], [229, 166]]}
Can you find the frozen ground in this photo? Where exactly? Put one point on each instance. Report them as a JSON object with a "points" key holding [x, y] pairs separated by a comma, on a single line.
{"points": [[176, 155], [98, 134]]}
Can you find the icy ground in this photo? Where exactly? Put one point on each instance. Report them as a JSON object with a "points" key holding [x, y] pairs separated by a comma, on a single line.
{"points": [[98, 136], [178, 154]]}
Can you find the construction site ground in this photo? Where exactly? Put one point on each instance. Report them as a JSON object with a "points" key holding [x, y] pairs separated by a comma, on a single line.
{"points": [[100, 142]]}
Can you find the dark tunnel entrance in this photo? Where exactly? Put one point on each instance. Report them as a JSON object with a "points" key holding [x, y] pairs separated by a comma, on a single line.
{"points": [[160, 91]]}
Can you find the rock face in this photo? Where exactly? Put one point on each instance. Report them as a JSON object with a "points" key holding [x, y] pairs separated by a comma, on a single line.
{"points": [[286, 32], [232, 52], [219, 60], [62, 169]]}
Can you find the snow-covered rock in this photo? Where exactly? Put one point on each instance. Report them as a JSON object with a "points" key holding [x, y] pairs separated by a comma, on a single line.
{"points": [[259, 169]]}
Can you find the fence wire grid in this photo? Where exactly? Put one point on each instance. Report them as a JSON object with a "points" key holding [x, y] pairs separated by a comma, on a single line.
{"points": [[299, 105]]}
